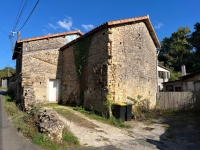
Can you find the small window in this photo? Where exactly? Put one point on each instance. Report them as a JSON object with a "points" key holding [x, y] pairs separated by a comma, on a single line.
{"points": [[169, 88], [167, 75], [177, 89], [161, 74]]}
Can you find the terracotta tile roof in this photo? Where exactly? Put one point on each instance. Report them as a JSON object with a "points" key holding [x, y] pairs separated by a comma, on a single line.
{"points": [[145, 19], [19, 42], [50, 36]]}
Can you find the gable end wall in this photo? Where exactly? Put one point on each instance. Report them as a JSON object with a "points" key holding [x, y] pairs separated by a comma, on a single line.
{"points": [[133, 71], [41, 61]]}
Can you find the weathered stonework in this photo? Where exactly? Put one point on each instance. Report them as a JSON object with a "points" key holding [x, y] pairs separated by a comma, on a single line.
{"points": [[40, 65], [39, 61], [49, 122], [121, 63], [133, 68]]}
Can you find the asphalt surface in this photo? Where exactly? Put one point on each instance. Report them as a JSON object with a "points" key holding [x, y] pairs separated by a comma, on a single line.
{"points": [[10, 139]]}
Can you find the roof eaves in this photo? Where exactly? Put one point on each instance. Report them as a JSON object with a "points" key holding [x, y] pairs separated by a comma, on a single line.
{"points": [[118, 22], [172, 81], [189, 75], [164, 67], [50, 36]]}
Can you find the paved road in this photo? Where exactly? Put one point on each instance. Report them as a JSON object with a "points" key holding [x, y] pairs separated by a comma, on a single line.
{"points": [[10, 139]]}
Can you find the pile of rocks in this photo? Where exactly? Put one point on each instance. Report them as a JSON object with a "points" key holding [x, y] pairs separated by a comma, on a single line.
{"points": [[48, 121]]}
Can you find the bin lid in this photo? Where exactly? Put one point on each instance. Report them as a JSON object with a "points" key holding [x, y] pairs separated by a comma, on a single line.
{"points": [[128, 103], [120, 103]]}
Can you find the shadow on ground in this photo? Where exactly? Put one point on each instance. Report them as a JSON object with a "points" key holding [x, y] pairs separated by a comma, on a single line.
{"points": [[182, 132]]}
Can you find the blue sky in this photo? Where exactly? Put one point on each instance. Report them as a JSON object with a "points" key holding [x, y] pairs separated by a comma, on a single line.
{"points": [[54, 16]]}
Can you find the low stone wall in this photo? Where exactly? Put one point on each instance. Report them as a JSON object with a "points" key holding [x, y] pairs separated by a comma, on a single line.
{"points": [[48, 121]]}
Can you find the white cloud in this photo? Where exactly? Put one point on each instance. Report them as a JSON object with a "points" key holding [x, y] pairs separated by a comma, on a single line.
{"points": [[53, 26], [87, 27], [66, 23], [158, 26]]}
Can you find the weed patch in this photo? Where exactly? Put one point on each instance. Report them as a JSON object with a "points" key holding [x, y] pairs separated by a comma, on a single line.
{"points": [[26, 124]]}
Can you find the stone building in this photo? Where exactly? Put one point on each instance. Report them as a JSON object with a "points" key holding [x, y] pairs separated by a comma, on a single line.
{"points": [[38, 67], [114, 62]]}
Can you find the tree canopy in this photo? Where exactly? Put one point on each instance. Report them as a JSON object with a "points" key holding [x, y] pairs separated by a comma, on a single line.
{"points": [[182, 47], [7, 71]]}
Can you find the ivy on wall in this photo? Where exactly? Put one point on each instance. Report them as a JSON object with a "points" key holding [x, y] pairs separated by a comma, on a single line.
{"points": [[81, 52]]}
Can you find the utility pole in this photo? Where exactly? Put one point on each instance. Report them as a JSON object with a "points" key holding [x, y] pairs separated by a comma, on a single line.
{"points": [[8, 70], [12, 39]]}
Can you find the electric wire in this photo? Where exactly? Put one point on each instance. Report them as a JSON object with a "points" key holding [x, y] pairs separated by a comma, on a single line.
{"points": [[3, 31], [19, 16], [29, 15], [6, 62], [4, 54]]}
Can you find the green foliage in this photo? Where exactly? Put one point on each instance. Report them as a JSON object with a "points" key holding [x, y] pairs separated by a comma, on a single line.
{"points": [[182, 47], [111, 120], [26, 125], [141, 110], [68, 137], [4, 72], [81, 52], [174, 75], [175, 50], [117, 122], [10, 106]]}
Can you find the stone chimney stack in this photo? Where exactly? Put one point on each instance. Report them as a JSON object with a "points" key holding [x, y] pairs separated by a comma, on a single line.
{"points": [[183, 70], [18, 35]]}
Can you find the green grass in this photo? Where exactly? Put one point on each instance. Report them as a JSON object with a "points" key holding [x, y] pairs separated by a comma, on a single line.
{"points": [[1, 88], [26, 125], [170, 112], [112, 120]]}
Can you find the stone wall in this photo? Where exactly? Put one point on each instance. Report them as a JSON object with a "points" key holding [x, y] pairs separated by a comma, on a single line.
{"points": [[133, 68], [95, 94], [70, 92], [95, 74], [121, 63], [41, 61]]}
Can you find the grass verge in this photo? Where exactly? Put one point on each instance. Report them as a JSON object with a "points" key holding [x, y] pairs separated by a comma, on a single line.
{"points": [[26, 125], [70, 116]]}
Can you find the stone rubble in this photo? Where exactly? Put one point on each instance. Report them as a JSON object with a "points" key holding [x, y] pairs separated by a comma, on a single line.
{"points": [[48, 121]]}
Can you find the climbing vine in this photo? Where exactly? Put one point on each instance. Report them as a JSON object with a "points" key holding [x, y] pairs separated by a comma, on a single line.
{"points": [[81, 52]]}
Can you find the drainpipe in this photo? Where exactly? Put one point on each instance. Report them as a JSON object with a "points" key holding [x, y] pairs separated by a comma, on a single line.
{"points": [[158, 51]]}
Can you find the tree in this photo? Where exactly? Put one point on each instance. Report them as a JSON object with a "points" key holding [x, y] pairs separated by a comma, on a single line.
{"points": [[195, 39], [176, 49], [195, 42], [4, 72]]}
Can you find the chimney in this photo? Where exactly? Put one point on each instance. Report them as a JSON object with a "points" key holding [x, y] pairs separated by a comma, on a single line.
{"points": [[18, 35], [183, 70]]}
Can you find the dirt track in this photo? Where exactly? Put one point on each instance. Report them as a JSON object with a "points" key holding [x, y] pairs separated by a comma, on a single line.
{"points": [[179, 131]]}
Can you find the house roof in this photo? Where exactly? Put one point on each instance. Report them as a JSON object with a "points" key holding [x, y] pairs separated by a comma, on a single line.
{"points": [[164, 67], [185, 77], [18, 42], [189, 75], [172, 81], [145, 19], [50, 36]]}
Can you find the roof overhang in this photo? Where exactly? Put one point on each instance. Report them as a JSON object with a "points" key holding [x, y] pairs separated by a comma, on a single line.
{"points": [[18, 44], [145, 19]]}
